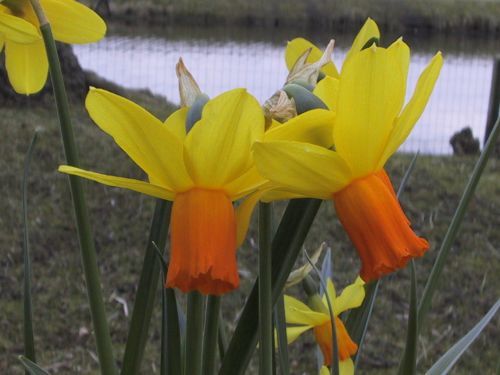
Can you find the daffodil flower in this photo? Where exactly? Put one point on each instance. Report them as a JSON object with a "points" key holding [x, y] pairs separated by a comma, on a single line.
{"points": [[370, 124], [202, 172], [302, 318], [25, 57]]}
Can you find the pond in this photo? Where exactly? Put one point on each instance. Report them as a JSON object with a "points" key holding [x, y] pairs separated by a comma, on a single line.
{"points": [[225, 58]]}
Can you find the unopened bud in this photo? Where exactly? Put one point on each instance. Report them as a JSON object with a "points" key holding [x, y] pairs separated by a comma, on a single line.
{"points": [[188, 88], [279, 107], [304, 99]]}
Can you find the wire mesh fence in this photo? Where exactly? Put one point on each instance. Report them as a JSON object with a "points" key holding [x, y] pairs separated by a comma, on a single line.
{"points": [[222, 59]]}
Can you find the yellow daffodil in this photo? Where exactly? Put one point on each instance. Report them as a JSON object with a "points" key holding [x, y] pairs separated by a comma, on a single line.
{"points": [[302, 317], [370, 124], [202, 172], [25, 56]]}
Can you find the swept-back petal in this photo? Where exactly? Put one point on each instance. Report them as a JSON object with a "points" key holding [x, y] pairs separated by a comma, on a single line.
{"points": [[27, 66], [368, 31], [315, 126], [244, 214], [346, 367], [2, 42], [414, 109], [327, 90], [332, 294], [302, 168], [73, 22], [148, 142], [217, 149], [176, 122], [245, 184], [121, 182], [297, 312], [371, 94], [296, 47], [293, 333], [17, 29], [352, 296]]}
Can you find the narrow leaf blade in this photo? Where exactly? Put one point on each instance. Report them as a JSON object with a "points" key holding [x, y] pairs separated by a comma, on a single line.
{"points": [[32, 367]]}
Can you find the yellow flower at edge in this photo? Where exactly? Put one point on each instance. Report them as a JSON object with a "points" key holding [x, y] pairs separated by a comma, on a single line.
{"points": [[370, 124], [202, 172], [300, 318], [25, 56]]}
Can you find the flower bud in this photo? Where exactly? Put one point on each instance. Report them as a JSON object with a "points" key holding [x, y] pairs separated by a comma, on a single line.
{"points": [[279, 107], [188, 88], [304, 99]]}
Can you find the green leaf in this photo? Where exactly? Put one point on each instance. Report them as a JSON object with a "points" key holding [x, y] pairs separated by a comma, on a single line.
{"points": [[29, 341], [408, 365], [32, 367], [146, 290], [437, 268], [286, 246], [446, 362], [211, 334]]}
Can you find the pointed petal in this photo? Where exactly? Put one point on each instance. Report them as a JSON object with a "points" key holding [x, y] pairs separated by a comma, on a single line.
{"points": [[414, 109], [217, 149], [346, 367], [302, 168], [332, 294], [315, 126], [148, 142], [352, 296], [27, 66], [244, 214], [324, 371], [297, 312], [176, 123], [245, 184], [371, 94], [299, 274], [368, 31], [121, 182], [293, 333], [17, 29], [327, 90], [73, 22], [298, 46]]}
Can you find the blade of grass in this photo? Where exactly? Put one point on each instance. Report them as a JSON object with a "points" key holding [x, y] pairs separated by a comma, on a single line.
{"points": [[211, 334], [87, 249], [286, 246], [31, 367], [408, 365], [265, 298], [29, 340], [446, 362], [456, 221], [194, 334], [221, 338], [146, 290], [358, 319], [280, 322]]}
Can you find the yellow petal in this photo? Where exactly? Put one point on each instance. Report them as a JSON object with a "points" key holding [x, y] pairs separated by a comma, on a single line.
{"points": [[275, 194], [176, 122], [244, 214], [298, 46], [245, 184], [147, 141], [368, 31], [73, 22], [346, 367], [2, 42], [315, 126], [217, 149], [121, 182], [352, 296], [327, 90], [414, 109], [332, 294], [297, 312], [17, 29], [27, 66], [371, 94], [302, 168], [293, 333], [324, 371]]}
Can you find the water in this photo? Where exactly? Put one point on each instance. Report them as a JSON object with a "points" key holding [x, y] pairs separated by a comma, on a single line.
{"points": [[222, 59]]}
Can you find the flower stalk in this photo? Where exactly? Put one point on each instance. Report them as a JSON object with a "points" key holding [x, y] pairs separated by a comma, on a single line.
{"points": [[194, 334]]}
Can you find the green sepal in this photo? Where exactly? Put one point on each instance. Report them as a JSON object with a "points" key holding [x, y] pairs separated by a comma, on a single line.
{"points": [[304, 99], [194, 112]]}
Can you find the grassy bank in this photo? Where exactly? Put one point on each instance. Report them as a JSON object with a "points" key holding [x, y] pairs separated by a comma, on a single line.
{"points": [[440, 15], [121, 220]]}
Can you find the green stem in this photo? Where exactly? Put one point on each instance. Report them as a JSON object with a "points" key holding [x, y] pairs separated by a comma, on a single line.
{"points": [[171, 351], [222, 338], [146, 290], [29, 340], [456, 221], [88, 253], [286, 246], [211, 334], [194, 334], [265, 290], [280, 319]]}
